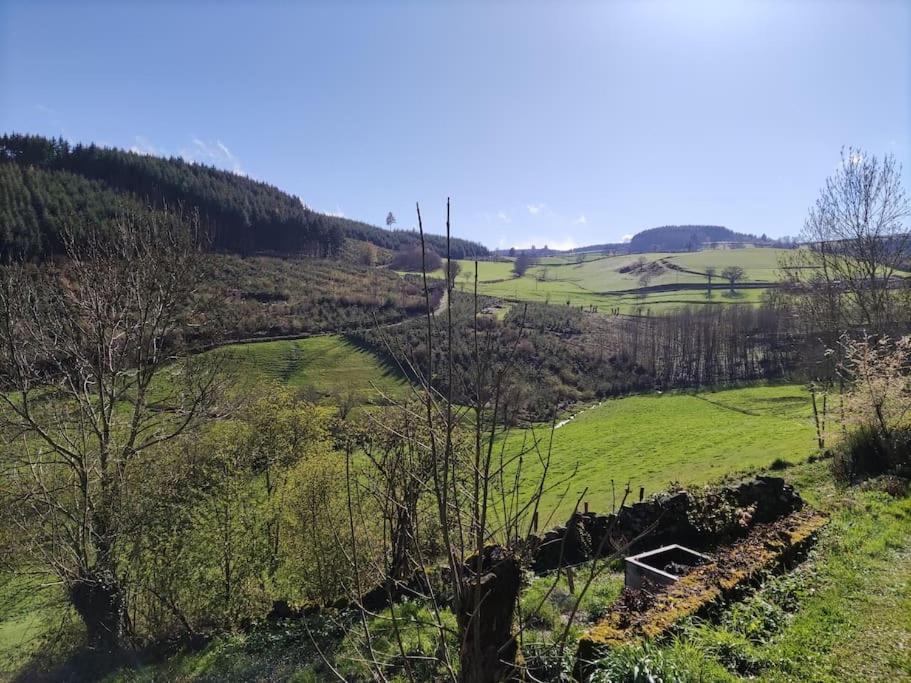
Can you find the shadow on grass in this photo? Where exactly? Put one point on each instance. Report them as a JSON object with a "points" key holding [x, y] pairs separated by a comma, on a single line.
{"points": [[733, 295], [81, 663], [389, 365]]}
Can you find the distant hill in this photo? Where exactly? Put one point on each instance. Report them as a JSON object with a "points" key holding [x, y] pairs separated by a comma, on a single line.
{"points": [[664, 238], [44, 183], [688, 238]]}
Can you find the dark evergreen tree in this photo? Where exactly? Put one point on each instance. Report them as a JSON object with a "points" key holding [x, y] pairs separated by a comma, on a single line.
{"points": [[44, 182]]}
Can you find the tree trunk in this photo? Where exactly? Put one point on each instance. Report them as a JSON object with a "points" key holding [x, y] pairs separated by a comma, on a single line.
{"points": [[485, 616], [97, 598]]}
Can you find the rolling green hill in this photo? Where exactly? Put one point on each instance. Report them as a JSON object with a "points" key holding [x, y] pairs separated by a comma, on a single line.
{"points": [[676, 279]]}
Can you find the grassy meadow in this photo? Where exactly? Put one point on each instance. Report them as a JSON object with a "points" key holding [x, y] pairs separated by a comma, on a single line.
{"points": [[655, 439], [596, 280], [322, 366], [646, 440]]}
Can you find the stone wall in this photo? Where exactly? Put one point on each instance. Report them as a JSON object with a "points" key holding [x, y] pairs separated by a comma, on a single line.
{"points": [[699, 521]]}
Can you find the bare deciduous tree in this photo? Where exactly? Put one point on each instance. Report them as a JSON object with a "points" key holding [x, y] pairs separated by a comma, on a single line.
{"points": [[457, 511], [93, 378], [855, 242], [453, 268], [733, 274]]}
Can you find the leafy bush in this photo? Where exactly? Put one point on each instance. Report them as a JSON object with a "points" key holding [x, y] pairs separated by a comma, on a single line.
{"points": [[755, 619], [543, 661], [713, 512]]}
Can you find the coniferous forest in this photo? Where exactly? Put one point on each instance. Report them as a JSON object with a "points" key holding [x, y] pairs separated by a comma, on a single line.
{"points": [[46, 183]]}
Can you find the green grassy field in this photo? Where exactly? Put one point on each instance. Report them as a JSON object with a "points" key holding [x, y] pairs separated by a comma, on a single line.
{"points": [[323, 366], [30, 619], [597, 280], [653, 440]]}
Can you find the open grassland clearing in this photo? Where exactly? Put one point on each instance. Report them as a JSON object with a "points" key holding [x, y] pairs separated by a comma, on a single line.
{"points": [[672, 279], [322, 366], [652, 440]]}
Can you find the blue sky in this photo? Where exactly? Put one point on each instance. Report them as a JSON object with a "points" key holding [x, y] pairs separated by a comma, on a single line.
{"points": [[558, 123]]}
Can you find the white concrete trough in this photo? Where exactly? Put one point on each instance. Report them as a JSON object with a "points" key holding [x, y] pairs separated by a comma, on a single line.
{"points": [[662, 566]]}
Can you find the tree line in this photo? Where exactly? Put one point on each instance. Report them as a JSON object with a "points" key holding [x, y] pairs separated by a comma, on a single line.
{"points": [[565, 354], [241, 214]]}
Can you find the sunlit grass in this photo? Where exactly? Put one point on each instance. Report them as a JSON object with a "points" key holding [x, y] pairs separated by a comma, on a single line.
{"points": [[323, 366], [650, 441]]}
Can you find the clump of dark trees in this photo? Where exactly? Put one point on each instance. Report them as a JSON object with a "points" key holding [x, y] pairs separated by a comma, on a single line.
{"points": [[413, 260], [523, 262], [45, 183], [690, 238]]}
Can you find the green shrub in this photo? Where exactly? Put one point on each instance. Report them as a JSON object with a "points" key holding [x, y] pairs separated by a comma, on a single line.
{"points": [[867, 452], [638, 664], [543, 661], [785, 591], [755, 619]]}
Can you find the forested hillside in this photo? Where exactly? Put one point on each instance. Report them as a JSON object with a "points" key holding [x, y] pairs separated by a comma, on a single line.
{"points": [[687, 238], [45, 182]]}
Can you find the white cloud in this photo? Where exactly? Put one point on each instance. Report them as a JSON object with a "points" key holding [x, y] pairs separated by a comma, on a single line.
{"points": [[504, 217], [581, 220], [534, 209], [44, 109], [626, 238], [212, 153], [142, 145], [338, 213]]}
